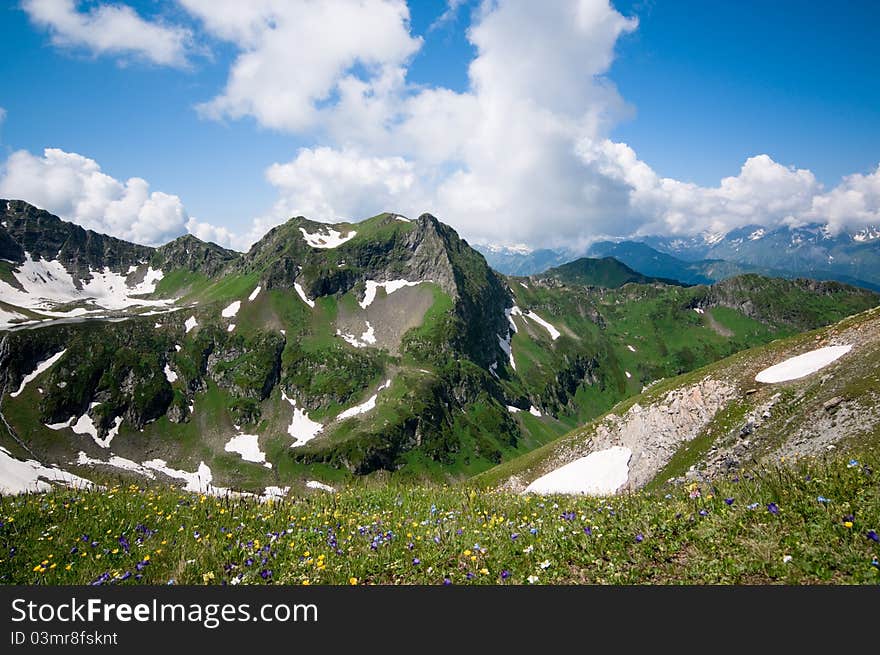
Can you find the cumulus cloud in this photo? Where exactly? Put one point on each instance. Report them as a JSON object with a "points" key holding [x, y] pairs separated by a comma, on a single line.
{"points": [[295, 56], [110, 29], [74, 188], [854, 203]]}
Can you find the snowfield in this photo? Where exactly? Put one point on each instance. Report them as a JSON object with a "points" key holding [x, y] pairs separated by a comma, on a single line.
{"points": [[29, 476], [254, 294], [600, 473], [46, 283], [191, 323], [802, 365], [330, 238]]}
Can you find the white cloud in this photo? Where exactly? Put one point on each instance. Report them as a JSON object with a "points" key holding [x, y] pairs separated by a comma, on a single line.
{"points": [[111, 29], [295, 56], [216, 234], [449, 15], [852, 204], [74, 188]]}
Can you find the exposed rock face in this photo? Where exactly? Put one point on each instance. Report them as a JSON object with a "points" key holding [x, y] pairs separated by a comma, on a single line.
{"points": [[653, 433], [192, 254], [43, 235]]}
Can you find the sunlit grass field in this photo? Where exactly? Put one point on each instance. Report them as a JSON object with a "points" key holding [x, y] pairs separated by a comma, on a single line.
{"points": [[815, 521]]}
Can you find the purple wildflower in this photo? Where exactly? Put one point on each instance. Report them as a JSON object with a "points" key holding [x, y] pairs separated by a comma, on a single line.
{"points": [[416, 561], [505, 574], [728, 501], [588, 531], [873, 536], [266, 574], [447, 581], [773, 508], [640, 538], [703, 512]]}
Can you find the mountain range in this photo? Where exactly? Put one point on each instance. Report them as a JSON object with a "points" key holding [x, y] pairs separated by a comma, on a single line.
{"points": [[810, 251], [387, 347]]}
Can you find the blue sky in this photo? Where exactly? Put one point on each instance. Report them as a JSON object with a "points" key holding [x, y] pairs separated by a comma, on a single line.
{"points": [[700, 88]]}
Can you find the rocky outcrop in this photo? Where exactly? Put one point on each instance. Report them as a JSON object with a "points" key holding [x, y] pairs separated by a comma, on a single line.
{"points": [[43, 235], [653, 432], [192, 254]]}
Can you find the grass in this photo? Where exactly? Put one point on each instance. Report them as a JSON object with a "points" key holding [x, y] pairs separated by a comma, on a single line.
{"points": [[814, 522]]}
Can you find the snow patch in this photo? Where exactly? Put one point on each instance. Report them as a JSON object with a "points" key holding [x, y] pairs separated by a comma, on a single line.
{"points": [[46, 283], [512, 409], [628, 374], [116, 462], [554, 333], [366, 406], [274, 493], [631, 348], [390, 287], [43, 366], [598, 474], [170, 375], [534, 411], [232, 310], [757, 234], [230, 327], [802, 365], [314, 484], [302, 294], [255, 293], [329, 239], [301, 428], [191, 322], [30, 476], [699, 311], [248, 446]]}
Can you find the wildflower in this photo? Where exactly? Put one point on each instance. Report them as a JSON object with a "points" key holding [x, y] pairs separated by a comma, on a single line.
{"points": [[352, 581], [872, 535], [207, 576], [773, 508], [852, 463], [822, 499], [416, 561], [704, 512], [545, 564], [528, 549], [752, 506], [505, 574], [640, 538], [447, 582], [786, 559], [266, 574], [728, 501], [532, 579], [847, 524], [588, 531]]}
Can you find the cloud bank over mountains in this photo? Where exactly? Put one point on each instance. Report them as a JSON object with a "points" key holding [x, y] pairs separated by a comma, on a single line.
{"points": [[523, 152]]}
